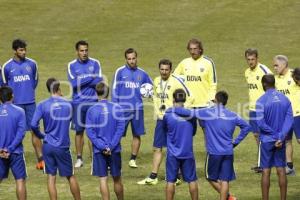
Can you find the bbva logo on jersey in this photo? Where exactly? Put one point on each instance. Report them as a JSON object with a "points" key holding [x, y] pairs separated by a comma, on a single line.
{"points": [[129, 84], [21, 78]]}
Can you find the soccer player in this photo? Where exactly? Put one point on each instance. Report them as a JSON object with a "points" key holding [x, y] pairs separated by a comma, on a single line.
{"points": [[199, 73], [12, 131], [274, 119], [105, 126], [253, 75], [219, 124], [126, 92], [163, 89], [286, 84], [56, 113], [21, 74], [180, 155], [83, 73]]}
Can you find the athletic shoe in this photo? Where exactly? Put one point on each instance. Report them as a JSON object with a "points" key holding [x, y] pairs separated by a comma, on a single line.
{"points": [[132, 164], [178, 181], [40, 165], [79, 163], [289, 171], [257, 169], [148, 181], [231, 197]]}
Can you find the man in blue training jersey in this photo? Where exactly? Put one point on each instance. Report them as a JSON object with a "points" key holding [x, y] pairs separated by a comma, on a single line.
{"points": [[105, 126], [126, 92], [219, 124], [180, 155], [12, 132], [274, 119], [21, 74], [56, 113], [83, 73]]}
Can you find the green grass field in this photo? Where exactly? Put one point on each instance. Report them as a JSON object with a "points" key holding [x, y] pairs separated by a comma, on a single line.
{"points": [[157, 29]]}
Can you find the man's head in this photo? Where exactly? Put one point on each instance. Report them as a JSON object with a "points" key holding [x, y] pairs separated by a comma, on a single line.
{"points": [[179, 96], [251, 56], [165, 68], [131, 57], [82, 49], [280, 63], [195, 48], [19, 47], [296, 76], [268, 81], [102, 90], [6, 94], [221, 98], [53, 86]]}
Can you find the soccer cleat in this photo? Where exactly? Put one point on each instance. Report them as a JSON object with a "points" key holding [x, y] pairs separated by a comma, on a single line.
{"points": [[40, 165], [148, 181], [132, 164], [257, 169], [231, 197], [289, 171], [178, 182], [79, 163]]}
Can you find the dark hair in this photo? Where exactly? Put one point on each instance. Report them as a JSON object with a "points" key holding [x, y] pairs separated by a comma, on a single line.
{"points": [[18, 43], [102, 90], [179, 96], [130, 50], [268, 81], [52, 85], [222, 97], [165, 62], [251, 51], [81, 42], [195, 41], [6, 94], [296, 74]]}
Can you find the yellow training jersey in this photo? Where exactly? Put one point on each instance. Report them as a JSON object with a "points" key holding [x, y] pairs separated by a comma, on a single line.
{"points": [[200, 78], [253, 78], [286, 85], [163, 94]]}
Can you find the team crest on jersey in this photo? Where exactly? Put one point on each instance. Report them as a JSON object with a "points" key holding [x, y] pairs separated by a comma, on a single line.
{"points": [[91, 68], [201, 69], [257, 77], [289, 82], [139, 78], [3, 112], [169, 87], [28, 68]]}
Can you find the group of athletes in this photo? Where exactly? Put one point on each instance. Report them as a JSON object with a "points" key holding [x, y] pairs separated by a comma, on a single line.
{"points": [[181, 98]]}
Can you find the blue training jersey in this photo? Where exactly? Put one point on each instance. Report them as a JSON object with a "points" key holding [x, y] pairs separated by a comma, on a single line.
{"points": [[22, 77], [274, 116], [219, 124], [12, 128], [56, 113], [105, 126], [126, 87], [180, 132], [83, 77]]}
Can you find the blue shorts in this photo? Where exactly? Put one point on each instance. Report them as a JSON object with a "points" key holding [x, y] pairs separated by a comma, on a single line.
{"points": [[16, 162], [79, 115], [295, 129], [101, 163], [29, 111], [219, 167], [270, 156], [253, 122], [160, 135], [57, 159], [136, 118], [186, 166]]}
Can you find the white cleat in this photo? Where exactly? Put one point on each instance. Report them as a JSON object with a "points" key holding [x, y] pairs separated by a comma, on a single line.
{"points": [[132, 164], [79, 163]]}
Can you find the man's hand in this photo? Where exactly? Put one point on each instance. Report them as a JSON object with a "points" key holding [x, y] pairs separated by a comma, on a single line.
{"points": [[278, 144], [107, 152], [4, 153]]}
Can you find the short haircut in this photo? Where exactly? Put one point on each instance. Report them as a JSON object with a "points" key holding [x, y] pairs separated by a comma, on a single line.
{"points": [[195, 41], [18, 43], [222, 97], [268, 80], [81, 43], [129, 51], [283, 59], [296, 74], [165, 62], [251, 51], [52, 85], [102, 90], [6, 94], [179, 96]]}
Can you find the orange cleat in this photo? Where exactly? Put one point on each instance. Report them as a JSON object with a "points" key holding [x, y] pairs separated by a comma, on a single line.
{"points": [[40, 165], [231, 197]]}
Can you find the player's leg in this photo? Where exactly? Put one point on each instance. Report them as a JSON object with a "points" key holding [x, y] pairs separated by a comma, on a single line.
{"points": [[21, 189], [289, 153], [79, 142], [255, 131], [170, 191], [118, 187], [188, 170], [78, 123], [104, 188], [74, 187], [172, 168], [18, 168], [193, 188], [212, 166], [99, 169], [52, 187], [115, 164], [265, 183], [224, 190], [266, 163], [282, 182]]}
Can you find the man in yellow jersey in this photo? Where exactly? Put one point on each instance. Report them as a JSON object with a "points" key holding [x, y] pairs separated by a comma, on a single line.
{"points": [[163, 89], [253, 75], [287, 83]]}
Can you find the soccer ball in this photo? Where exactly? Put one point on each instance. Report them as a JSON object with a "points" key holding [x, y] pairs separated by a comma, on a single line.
{"points": [[146, 90]]}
